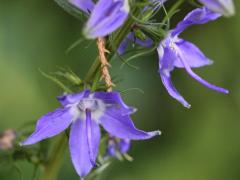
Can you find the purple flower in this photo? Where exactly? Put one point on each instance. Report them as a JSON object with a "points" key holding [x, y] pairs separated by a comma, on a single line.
{"points": [[224, 7], [117, 146], [178, 53], [131, 38], [85, 111], [85, 5], [106, 17]]}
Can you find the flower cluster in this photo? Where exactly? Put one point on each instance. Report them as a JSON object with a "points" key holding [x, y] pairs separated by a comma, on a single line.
{"points": [[86, 111]]}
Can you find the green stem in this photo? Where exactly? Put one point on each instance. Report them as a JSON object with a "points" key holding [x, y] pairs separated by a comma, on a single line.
{"points": [[52, 167], [172, 10]]}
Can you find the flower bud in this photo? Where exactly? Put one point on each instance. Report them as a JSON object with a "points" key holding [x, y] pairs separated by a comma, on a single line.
{"points": [[6, 139]]}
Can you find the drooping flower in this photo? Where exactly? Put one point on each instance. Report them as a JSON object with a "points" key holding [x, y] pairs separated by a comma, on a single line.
{"points": [[224, 7], [178, 53], [116, 146], [85, 111], [106, 17]]}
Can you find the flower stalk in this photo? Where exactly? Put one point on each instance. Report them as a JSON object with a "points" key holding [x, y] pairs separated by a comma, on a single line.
{"points": [[101, 64]]}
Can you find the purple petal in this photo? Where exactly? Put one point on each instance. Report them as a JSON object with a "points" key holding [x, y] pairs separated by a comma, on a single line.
{"points": [[117, 145], [145, 43], [124, 145], [113, 99], [84, 5], [79, 147], [107, 16], [197, 16], [224, 7], [73, 98], [50, 125], [192, 55], [167, 82], [111, 148], [123, 46], [200, 80], [167, 59], [131, 38], [90, 139], [122, 126]]}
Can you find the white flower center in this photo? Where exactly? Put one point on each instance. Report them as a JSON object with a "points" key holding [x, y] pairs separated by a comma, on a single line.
{"points": [[96, 106], [88, 104]]}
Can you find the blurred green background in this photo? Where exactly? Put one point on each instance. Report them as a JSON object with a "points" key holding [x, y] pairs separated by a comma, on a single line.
{"points": [[197, 144]]}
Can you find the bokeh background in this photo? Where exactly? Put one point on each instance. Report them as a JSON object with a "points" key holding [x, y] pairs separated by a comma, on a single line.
{"points": [[197, 144]]}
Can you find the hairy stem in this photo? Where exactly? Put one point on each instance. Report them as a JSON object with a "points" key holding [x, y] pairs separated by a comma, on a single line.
{"points": [[104, 63]]}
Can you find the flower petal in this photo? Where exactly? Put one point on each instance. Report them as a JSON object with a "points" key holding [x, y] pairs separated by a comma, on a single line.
{"points": [[79, 147], [50, 125], [192, 55], [117, 145], [201, 80], [123, 46], [106, 17], [225, 7], [113, 99], [122, 126], [167, 60], [131, 38], [84, 5], [167, 82], [73, 98], [145, 43], [197, 16], [167, 57], [124, 145], [111, 148]]}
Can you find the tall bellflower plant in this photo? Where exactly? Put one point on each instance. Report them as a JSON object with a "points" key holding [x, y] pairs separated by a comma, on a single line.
{"points": [[95, 117]]}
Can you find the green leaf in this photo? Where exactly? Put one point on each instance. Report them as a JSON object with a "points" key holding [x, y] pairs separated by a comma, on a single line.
{"points": [[71, 9], [58, 82]]}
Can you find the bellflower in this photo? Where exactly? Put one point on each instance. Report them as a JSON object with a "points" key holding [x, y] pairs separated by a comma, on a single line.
{"points": [[106, 17], [117, 145], [178, 53], [224, 7], [85, 112]]}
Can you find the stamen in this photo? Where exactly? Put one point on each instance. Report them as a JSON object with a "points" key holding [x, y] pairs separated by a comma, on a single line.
{"points": [[89, 137]]}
